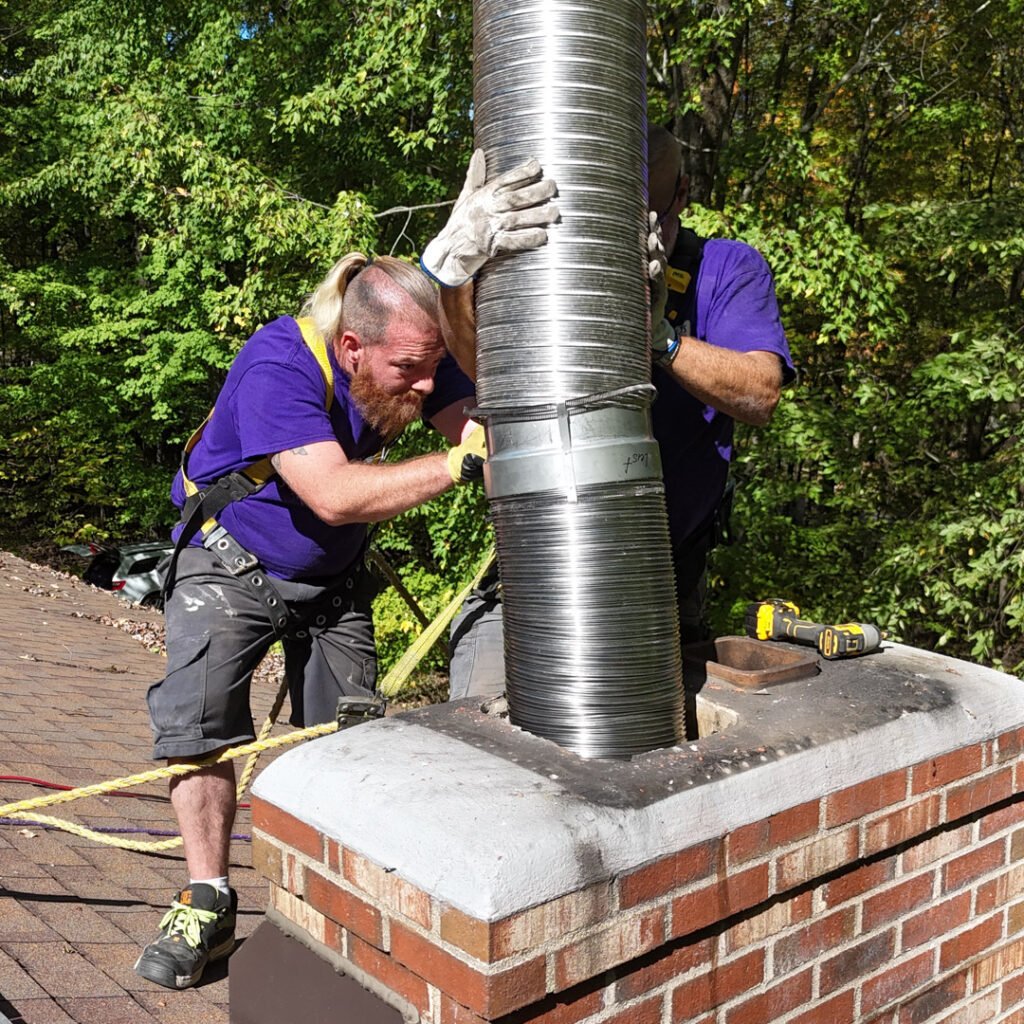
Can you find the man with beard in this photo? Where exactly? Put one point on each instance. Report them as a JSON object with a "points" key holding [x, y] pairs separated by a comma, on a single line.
{"points": [[276, 491]]}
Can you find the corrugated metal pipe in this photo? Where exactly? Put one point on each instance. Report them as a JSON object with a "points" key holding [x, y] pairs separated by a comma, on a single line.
{"points": [[574, 477]]}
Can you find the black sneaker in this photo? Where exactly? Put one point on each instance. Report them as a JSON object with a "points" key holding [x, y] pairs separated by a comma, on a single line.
{"points": [[199, 927]]}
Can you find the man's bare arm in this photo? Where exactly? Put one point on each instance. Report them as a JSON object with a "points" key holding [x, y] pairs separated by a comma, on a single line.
{"points": [[453, 422], [340, 492], [458, 325], [744, 385]]}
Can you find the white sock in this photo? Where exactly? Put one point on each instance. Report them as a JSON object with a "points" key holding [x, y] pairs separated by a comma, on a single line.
{"points": [[218, 883]]}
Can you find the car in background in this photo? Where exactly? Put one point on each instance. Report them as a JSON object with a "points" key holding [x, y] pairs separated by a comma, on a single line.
{"points": [[128, 569]]}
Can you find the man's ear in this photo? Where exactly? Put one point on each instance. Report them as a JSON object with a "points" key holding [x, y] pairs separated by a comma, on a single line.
{"points": [[349, 349]]}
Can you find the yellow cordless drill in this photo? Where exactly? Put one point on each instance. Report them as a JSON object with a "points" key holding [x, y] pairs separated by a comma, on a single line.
{"points": [[777, 619]]}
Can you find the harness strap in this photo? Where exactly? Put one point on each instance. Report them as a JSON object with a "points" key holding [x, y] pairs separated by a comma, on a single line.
{"points": [[202, 506], [245, 566]]}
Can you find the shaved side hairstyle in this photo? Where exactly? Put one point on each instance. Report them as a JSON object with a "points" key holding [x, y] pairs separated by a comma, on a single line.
{"points": [[362, 295]]}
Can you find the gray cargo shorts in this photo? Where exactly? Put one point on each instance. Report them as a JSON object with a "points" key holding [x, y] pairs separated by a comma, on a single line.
{"points": [[218, 632]]}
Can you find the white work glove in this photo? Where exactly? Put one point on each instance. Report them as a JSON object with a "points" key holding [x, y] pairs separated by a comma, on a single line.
{"points": [[509, 214], [664, 341]]}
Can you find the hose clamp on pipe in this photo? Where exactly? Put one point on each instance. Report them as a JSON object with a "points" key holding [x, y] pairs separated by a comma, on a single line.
{"points": [[567, 446]]}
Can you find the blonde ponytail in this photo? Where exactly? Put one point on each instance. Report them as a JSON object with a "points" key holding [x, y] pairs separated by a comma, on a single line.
{"points": [[372, 298], [326, 303]]}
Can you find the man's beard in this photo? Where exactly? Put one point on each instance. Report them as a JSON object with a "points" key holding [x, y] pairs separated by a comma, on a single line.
{"points": [[388, 414]]}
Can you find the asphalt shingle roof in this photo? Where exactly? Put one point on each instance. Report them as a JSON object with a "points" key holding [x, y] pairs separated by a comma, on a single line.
{"points": [[73, 913]]}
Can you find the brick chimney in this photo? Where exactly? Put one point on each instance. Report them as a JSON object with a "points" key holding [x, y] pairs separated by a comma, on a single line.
{"points": [[844, 848]]}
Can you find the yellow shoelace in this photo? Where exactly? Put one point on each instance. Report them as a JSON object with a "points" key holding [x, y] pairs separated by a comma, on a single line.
{"points": [[186, 921]]}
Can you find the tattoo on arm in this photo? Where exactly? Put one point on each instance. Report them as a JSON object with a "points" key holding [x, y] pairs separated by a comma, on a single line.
{"points": [[275, 460]]}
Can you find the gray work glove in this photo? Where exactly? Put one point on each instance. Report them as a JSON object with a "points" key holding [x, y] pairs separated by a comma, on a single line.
{"points": [[508, 214], [664, 341]]}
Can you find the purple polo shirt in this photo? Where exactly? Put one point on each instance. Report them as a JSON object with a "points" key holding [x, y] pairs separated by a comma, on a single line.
{"points": [[733, 306], [273, 400]]}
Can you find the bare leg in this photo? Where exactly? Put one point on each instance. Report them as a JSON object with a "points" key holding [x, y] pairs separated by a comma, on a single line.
{"points": [[205, 805]]}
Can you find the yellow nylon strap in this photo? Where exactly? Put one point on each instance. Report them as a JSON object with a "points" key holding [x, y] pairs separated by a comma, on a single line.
{"points": [[190, 487], [260, 472], [316, 345], [393, 682]]}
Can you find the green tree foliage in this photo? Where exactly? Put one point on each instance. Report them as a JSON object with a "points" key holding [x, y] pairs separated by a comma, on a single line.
{"points": [[174, 174], [874, 152], [171, 176]]}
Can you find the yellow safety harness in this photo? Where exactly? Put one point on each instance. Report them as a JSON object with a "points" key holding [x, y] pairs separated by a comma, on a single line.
{"points": [[203, 505], [260, 472]]}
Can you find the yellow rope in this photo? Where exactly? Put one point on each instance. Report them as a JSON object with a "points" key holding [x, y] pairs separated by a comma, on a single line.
{"points": [[391, 684], [169, 771]]}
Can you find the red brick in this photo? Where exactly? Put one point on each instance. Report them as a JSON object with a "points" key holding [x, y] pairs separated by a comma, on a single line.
{"points": [[453, 1012], [895, 982], [1012, 991], [936, 848], [866, 798], [903, 825], [667, 874], [290, 831], [1004, 818], [1010, 745], [858, 881], [816, 859], [717, 986], [493, 941], [490, 995], [1001, 890], [579, 1004], [936, 920], [387, 888], [935, 999], [392, 974], [335, 856], [470, 934], [807, 943], [835, 1011], [970, 943], [858, 961], [897, 901], [979, 794], [625, 940], [660, 967], [777, 918], [941, 771], [1014, 919], [643, 1013], [266, 859], [345, 908], [719, 901], [979, 1011], [307, 917], [762, 837], [773, 1003], [997, 965], [964, 870]]}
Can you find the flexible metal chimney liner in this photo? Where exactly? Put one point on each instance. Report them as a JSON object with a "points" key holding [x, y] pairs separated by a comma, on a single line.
{"points": [[574, 476]]}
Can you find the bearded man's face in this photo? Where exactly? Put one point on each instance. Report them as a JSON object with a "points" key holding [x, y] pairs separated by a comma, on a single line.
{"points": [[393, 377]]}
